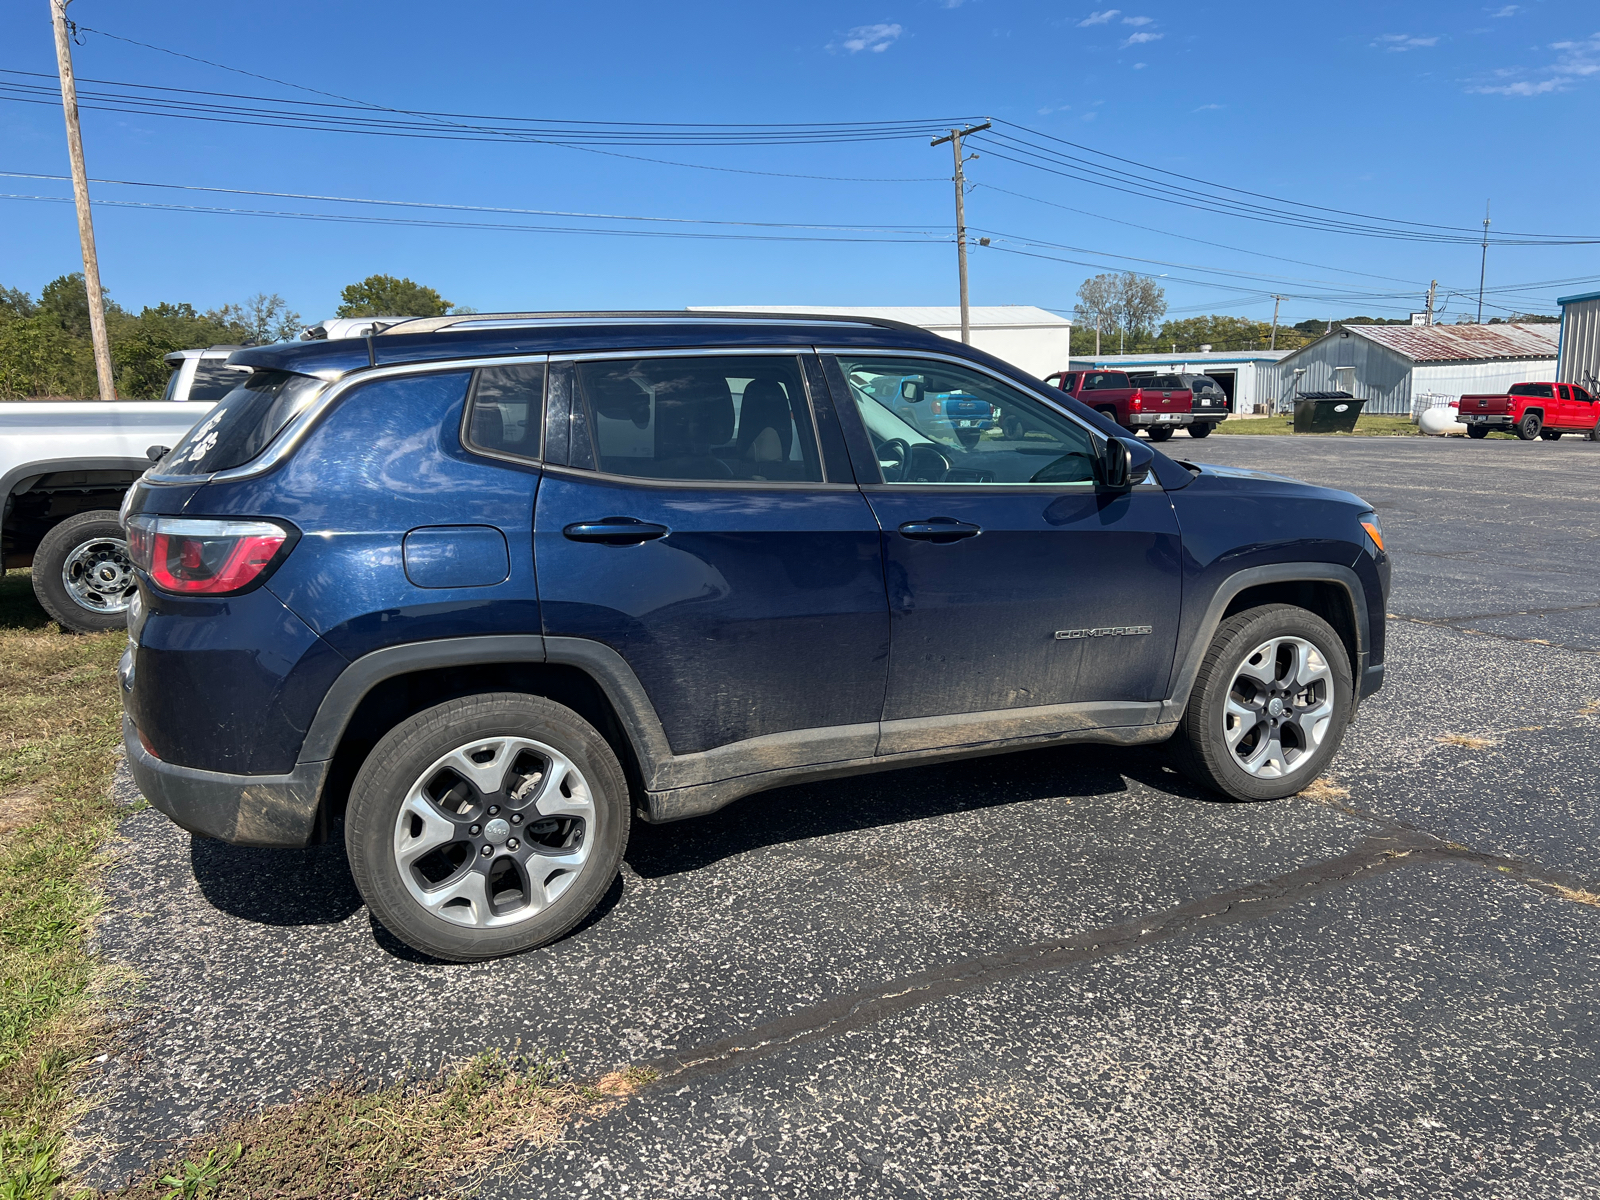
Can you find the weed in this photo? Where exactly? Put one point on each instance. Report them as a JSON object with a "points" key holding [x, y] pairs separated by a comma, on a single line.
{"points": [[1576, 895], [200, 1178], [1325, 789]]}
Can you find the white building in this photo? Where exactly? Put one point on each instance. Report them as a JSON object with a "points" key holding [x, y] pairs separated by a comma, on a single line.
{"points": [[1030, 338], [1399, 368], [1249, 377], [1578, 360]]}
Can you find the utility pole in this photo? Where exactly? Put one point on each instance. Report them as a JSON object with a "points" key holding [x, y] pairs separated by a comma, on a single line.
{"points": [[80, 193], [1276, 300], [961, 215], [1484, 264], [1432, 288], [1097, 335]]}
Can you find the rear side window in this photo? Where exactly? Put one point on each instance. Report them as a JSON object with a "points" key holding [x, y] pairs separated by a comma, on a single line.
{"points": [[214, 379], [714, 418], [1540, 390], [243, 423], [506, 411]]}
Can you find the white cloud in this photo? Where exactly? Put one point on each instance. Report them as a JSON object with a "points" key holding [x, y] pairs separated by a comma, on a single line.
{"points": [[1139, 39], [1575, 62], [1209, 107], [1100, 18], [1088, 116], [876, 38], [1140, 66], [1509, 10], [1400, 42], [1138, 20]]}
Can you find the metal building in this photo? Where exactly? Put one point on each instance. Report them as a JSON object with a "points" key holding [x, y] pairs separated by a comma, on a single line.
{"points": [[1249, 377], [1398, 369], [1578, 360], [1033, 339]]}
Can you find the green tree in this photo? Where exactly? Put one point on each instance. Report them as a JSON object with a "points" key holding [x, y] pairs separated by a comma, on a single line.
{"points": [[39, 358], [139, 346], [386, 296]]}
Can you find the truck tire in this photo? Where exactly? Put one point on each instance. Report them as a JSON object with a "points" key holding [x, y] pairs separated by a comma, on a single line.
{"points": [[1593, 434], [1201, 428], [1529, 427], [1159, 433], [487, 825], [82, 575], [1477, 432], [1550, 435], [1269, 704]]}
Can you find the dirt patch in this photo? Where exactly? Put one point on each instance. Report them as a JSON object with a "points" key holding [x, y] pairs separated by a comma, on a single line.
{"points": [[1325, 789], [17, 809], [438, 1137], [1467, 741]]}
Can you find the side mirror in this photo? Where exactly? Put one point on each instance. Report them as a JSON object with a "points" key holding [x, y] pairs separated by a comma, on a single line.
{"points": [[156, 453], [1123, 463]]}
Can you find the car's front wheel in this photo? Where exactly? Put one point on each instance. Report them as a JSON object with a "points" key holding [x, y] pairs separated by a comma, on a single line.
{"points": [[1269, 705], [487, 825]]}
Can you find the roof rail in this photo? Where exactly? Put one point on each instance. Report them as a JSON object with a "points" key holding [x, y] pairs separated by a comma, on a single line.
{"points": [[670, 317]]}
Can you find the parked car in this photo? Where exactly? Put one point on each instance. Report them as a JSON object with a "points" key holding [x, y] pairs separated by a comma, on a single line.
{"points": [[1210, 406], [944, 416], [1533, 410], [65, 467], [1158, 407], [493, 588]]}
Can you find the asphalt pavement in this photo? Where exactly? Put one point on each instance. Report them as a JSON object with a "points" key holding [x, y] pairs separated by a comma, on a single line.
{"points": [[1064, 972]]}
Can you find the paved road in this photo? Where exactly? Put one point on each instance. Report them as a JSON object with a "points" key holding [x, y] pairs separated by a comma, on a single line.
{"points": [[1056, 973]]}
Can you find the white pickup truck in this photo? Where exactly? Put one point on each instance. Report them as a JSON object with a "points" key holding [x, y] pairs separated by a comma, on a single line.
{"points": [[64, 468]]}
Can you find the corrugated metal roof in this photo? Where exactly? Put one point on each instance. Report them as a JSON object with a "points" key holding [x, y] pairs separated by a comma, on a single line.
{"points": [[1458, 343], [988, 316]]}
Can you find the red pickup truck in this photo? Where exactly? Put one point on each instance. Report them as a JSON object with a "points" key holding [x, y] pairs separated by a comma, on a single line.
{"points": [[1533, 410], [1158, 405]]}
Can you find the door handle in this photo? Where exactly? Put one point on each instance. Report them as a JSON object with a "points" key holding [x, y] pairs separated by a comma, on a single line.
{"points": [[940, 530], [616, 531]]}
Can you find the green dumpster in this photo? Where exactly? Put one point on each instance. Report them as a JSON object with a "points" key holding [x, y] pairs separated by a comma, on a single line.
{"points": [[1326, 412]]}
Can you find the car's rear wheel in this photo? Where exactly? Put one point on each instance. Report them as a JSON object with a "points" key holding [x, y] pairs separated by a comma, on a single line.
{"points": [[1159, 433], [1201, 429], [82, 574], [1530, 427], [1477, 431], [1269, 705], [487, 825]]}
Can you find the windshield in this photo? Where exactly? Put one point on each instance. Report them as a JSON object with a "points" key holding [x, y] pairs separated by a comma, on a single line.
{"points": [[243, 423]]}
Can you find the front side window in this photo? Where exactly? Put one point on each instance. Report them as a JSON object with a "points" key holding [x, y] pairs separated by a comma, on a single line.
{"points": [[1025, 440], [715, 418], [1579, 394], [506, 410]]}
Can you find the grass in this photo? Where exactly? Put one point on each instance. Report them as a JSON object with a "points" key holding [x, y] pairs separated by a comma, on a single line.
{"points": [[435, 1137], [1373, 426], [59, 731]]}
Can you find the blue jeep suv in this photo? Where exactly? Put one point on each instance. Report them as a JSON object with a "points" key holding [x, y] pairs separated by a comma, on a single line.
{"points": [[490, 588]]}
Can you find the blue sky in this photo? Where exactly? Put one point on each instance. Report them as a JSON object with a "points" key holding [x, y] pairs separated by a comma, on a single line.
{"points": [[1418, 113]]}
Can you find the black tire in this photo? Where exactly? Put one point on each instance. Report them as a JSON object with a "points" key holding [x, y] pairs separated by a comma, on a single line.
{"points": [[1159, 433], [409, 761], [1550, 435], [1477, 432], [1201, 746], [1201, 429], [1593, 435], [93, 550], [1529, 428]]}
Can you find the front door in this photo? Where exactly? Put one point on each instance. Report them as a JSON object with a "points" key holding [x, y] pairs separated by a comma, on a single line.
{"points": [[694, 532], [1023, 600]]}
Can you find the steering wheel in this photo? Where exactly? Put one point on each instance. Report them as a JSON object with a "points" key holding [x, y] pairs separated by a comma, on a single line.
{"points": [[928, 464], [894, 459]]}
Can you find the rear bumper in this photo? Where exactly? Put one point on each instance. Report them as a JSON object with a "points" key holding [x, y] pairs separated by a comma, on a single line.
{"points": [[1492, 420], [245, 810], [1143, 420]]}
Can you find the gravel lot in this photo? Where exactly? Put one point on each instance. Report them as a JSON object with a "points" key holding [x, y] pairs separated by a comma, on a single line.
{"points": [[1057, 973]]}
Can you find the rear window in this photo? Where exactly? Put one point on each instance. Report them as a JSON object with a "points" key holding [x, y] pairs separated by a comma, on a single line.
{"points": [[1099, 380], [243, 423], [1541, 390], [214, 379]]}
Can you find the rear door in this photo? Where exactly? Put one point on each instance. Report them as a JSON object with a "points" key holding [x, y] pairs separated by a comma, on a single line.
{"points": [[695, 530], [1023, 601]]}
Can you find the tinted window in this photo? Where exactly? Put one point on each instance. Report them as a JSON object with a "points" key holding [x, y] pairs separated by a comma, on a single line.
{"points": [[1029, 442], [214, 379], [506, 411], [243, 423], [713, 418], [1100, 380], [1579, 394], [1561, 390], [1541, 390]]}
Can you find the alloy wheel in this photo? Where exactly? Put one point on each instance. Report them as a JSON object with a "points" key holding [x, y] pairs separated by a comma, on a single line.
{"points": [[494, 832], [1279, 707]]}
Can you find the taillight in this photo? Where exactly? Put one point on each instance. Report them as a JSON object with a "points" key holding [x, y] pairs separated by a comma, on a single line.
{"points": [[1137, 402], [199, 557], [938, 407]]}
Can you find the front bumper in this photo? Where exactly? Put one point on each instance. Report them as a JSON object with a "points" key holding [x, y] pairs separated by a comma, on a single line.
{"points": [[245, 810], [1140, 420]]}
